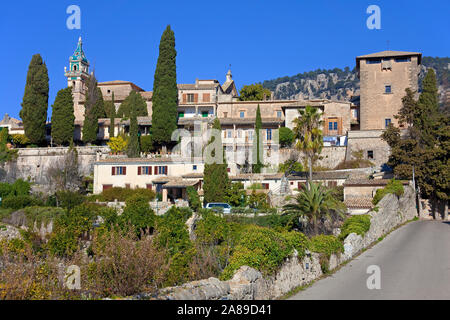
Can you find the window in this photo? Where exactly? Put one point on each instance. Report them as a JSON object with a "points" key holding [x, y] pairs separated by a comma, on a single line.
{"points": [[250, 134], [228, 170], [242, 114], [403, 59], [332, 125], [370, 154], [373, 61], [278, 114], [107, 186], [194, 167], [387, 122], [162, 170], [119, 171], [181, 114], [75, 68], [145, 170], [149, 186], [265, 186], [205, 114], [387, 89], [127, 186], [225, 114], [239, 133], [269, 134], [190, 97], [230, 133]]}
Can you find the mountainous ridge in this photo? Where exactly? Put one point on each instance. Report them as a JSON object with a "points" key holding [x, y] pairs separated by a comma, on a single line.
{"points": [[342, 84]]}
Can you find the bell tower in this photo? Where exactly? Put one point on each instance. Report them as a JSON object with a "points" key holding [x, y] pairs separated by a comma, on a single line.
{"points": [[77, 78]]}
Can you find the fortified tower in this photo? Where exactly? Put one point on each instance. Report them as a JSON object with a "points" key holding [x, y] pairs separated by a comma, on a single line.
{"points": [[77, 78], [384, 77]]}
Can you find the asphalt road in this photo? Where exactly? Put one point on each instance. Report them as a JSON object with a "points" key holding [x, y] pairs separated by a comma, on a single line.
{"points": [[414, 263]]}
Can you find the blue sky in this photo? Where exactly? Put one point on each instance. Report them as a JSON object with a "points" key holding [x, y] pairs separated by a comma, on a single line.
{"points": [[262, 40]]}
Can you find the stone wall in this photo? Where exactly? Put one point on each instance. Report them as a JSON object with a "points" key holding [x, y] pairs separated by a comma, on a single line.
{"points": [[330, 156], [249, 284], [32, 163], [368, 140]]}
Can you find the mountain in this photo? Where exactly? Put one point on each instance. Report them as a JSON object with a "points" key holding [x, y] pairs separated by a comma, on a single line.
{"points": [[338, 84]]}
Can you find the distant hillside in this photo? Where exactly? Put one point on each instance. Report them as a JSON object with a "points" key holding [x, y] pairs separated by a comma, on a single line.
{"points": [[338, 84]]}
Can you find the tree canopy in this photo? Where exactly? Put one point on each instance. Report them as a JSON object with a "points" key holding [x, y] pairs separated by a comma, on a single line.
{"points": [[63, 117], [254, 92], [35, 101]]}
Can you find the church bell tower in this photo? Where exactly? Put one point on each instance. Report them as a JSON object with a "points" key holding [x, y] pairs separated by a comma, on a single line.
{"points": [[77, 79]]}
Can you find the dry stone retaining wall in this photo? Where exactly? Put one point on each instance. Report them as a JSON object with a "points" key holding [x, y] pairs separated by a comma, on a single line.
{"points": [[249, 284]]}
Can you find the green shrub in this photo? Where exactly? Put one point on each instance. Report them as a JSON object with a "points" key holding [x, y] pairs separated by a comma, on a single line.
{"points": [[5, 189], [138, 213], [194, 200], [68, 229], [263, 249], [326, 244], [146, 144], [69, 199], [286, 137], [41, 215], [20, 201], [122, 194], [211, 229], [358, 224], [393, 186]]}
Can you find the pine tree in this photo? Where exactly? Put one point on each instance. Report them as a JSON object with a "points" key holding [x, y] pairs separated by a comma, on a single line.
{"points": [[165, 92], [35, 101], [133, 149], [112, 116], [63, 117], [215, 175], [257, 144], [94, 110]]}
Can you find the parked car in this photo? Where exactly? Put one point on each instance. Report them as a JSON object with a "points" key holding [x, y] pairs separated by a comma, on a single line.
{"points": [[220, 207]]}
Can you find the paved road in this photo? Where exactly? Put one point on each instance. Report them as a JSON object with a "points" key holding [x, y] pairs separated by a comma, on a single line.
{"points": [[414, 262]]}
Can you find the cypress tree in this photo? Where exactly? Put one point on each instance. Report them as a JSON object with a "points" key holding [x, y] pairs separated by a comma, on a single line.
{"points": [[112, 116], [94, 109], [35, 100], [257, 144], [133, 150], [215, 175], [165, 92], [133, 101], [63, 117]]}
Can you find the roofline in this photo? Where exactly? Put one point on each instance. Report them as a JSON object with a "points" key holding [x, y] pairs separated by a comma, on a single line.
{"points": [[401, 54]]}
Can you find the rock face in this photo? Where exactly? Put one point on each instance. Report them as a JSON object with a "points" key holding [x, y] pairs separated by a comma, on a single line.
{"points": [[9, 232]]}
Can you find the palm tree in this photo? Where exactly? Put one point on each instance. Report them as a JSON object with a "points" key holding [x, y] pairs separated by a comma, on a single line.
{"points": [[309, 135], [314, 203]]}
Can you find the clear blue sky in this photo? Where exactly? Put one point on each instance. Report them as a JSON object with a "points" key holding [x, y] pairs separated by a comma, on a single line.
{"points": [[262, 40]]}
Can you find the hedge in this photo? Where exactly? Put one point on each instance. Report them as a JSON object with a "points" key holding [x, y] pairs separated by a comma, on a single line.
{"points": [[20, 201], [122, 194], [326, 244], [358, 224], [263, 249], [393, 186]]}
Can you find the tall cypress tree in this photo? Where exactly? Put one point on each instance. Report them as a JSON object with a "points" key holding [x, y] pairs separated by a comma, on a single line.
{"points": [[133, 149], [112, 116], [134, 100], [165, 92], [63, 117], [94, 109], [35, 100], [215, 175], [257, 148]]}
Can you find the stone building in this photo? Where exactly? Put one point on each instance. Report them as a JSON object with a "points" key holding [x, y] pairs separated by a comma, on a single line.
{"points": [[384, 76]]}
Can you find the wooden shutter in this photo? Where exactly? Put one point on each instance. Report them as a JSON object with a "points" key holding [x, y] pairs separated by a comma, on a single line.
{"points": [[340, 126], [113, 171], [124, 171], [325, 129], [184, 97], [139, 170], [165, 170], [206, 97], [150, 170], [149, 186], [195, 97]]}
